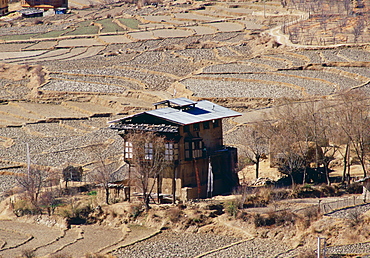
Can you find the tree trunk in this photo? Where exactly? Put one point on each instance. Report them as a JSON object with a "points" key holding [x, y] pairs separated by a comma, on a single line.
{"points": [[107, 195], [146, 201], [292, 178], [345, 164], [257, 166], [349, 166], [174, 186], [327, 173]]}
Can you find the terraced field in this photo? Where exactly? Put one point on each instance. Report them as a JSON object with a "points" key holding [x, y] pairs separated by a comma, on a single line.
{"points": [[98, 64]]}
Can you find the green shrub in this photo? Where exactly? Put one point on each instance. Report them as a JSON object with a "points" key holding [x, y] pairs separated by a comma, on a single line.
{"points": [[232, 208], [92, 193]]}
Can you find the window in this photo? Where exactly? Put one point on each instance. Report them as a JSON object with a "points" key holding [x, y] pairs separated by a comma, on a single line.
{"points": [[216, 123], [197, 147], [196, 127], [206, 125], [186, 128], [128, 150], [193, 149], [171, 152], [188, 150], [148, 150]]}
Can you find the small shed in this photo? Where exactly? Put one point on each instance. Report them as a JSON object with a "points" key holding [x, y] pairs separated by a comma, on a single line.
{"points": [[366, 188]]}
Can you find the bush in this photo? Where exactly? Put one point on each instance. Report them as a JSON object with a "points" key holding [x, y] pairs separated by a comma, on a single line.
{"points": [[135, 210], [28, 253], [354, 188], [274, 218], [25, 207], [232, 208], [174, 214]]}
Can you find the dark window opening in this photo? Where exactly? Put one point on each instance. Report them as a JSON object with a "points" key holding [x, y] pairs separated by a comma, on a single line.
{"points": [[206, 125], [216, 123], [196, 127]]}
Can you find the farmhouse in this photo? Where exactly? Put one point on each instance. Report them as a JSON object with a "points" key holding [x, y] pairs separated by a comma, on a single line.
{"points": [[44, 4], [3, 7], [201, 165]]}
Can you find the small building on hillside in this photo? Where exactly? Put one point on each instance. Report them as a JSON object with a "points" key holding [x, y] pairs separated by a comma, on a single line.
{"points": [[44, 4], [201, 164], [4, 7]]}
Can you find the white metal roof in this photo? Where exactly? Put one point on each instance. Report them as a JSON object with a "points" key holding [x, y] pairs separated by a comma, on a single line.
{"points": [[202, 111]]}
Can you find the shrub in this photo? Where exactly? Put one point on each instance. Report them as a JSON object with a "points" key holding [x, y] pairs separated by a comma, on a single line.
{"points": [[262, 221], [25, 207], [28, 253], [174, 214], [232, 208], [135, 210], [274, 218], [355, 217], [354, 188]]}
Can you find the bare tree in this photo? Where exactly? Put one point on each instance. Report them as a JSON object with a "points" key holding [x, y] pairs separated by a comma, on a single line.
{"points": [[33, 181], [256, 143], [352, 114], [105, 167], [148, 158]]}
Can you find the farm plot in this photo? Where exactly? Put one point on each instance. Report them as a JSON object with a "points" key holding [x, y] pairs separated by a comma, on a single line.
{"points": [[226, 26], [363, 71], [8, 56], [84, 28], [228, 37], [311, 86], [253, 248], [95, 238], [13, 47], [332, 56], [242, 49], [341, 81], [130, 23], [355, 54], [240, 88], [170, 244], [150, 81], [54, 34], [13, 90], [172, 33], [198, 55], [142, 35], [313, 55], [42, 45], [43, 57], [8, 119], [91, 51], [50, 130], [119, 39], [41, 236], [193, 17], [97, 79], [233, 68], [49, 111], [89, 108], [226, 52], [109, 26], [16, 111], [78, 86], [269, 62], [78, 43], [294, 61], [202, 30]]}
